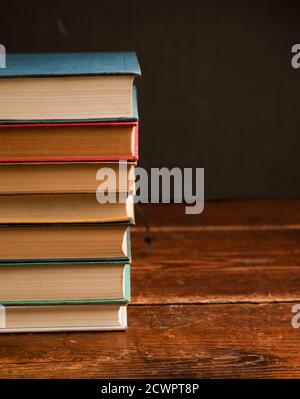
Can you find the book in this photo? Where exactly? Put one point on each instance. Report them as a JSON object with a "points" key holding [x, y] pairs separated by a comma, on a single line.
{"points": [[86, 142], [64, 208], [61, 242], [69, 142], [68, 87], [62, 178], [56, 318], [64, 283]]}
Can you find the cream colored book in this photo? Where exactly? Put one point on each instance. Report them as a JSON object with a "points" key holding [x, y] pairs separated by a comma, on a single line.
{"points": [[27, 244], [66, 98], [64, 208], [62, 178], [56, 318], [61, 283]]}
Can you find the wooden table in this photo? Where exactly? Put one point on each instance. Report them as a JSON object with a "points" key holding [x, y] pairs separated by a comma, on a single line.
{"points": [[211, 297]]}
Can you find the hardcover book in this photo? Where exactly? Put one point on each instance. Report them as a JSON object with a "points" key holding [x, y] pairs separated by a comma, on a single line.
{"points": [[64, 208], [64, 283], [62, 178], [56, 318], [64, 243], [68, 87]]}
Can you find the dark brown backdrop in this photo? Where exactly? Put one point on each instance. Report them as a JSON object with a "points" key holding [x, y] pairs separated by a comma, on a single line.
{"points": [[218, 90]]}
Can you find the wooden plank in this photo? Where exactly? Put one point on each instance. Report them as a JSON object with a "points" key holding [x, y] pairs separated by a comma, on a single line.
{"points": [[217, 263], [222, 266], [249, 341], [190, 244], [224, 213], [213, 280]]}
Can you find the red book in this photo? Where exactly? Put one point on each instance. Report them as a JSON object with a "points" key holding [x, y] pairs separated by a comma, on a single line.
{"points": [[69, 142]]}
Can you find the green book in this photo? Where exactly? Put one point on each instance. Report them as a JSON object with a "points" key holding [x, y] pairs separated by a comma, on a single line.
{"points": [[64, 283]]}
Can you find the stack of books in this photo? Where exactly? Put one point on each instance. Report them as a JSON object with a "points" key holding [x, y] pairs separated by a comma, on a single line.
{"points": [[64, 255]]}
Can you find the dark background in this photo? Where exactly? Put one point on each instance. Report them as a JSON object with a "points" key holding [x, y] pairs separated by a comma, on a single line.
{"points": [[218, 90]]}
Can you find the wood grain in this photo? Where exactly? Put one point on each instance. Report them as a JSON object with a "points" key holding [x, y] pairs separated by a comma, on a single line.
{"points": [[225, 213], [212, 297], [216, 267]]}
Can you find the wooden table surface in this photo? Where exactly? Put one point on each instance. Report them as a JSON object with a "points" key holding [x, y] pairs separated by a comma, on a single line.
{"points": [[211, 297]]}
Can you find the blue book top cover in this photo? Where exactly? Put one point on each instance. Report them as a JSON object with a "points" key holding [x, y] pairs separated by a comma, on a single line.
{"points": [[70, 64]]}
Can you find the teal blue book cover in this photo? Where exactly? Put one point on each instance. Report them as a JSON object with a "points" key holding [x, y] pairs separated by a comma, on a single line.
{"points": [[68, 87], [70, 64]]}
